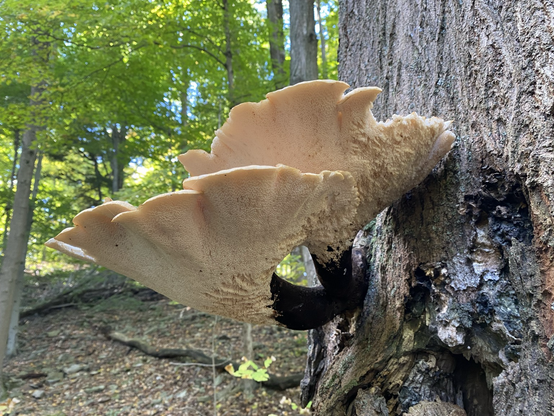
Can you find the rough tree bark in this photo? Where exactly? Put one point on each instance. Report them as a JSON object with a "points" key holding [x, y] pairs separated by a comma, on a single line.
{"points": [[303, 41], [461, 269]]}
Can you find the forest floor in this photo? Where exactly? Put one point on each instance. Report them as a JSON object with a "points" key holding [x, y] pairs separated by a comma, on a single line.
{"points": [[66, 366]]}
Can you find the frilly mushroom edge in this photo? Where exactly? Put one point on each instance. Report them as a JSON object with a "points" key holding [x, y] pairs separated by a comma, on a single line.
{"points": [[309, 166]]}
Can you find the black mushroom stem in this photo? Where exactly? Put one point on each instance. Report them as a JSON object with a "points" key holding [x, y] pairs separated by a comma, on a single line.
{"points": [[343, 287]]}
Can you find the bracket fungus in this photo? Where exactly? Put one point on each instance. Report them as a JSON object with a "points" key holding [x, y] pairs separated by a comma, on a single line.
{"points": [[309, 166]]}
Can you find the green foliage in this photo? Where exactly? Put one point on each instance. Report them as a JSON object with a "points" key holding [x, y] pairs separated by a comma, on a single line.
{"points": [[249, 370], [292, 269], [125, 86], [331, 33]]}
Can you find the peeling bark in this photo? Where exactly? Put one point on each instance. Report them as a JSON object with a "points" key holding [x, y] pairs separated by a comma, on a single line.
{"points": [[461, 269]]}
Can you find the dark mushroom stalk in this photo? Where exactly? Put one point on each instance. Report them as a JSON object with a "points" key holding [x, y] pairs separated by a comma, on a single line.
{"points": [[343, 288]]}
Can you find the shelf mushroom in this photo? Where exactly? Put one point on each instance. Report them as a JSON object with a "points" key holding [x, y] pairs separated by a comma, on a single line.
{"points": [[306, 166], [313, 126]]}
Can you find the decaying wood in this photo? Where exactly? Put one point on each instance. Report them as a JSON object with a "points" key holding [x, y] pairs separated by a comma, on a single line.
{"points": [[30, 376], [274, 382], [435, 409], [370, 402], [461, 269]]}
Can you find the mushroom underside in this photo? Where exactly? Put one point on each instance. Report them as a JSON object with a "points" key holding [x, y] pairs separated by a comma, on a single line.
{"points": [[215, 245]]}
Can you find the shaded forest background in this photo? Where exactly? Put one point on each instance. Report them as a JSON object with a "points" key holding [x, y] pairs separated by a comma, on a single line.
{"points": [[97, 100]]}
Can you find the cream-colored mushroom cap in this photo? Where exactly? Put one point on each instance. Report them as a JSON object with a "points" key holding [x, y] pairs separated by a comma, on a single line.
{"points": [[215, 245], [312, 126]]}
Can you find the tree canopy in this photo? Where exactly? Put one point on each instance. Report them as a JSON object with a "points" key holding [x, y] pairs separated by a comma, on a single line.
{"points": [[125, 87]]}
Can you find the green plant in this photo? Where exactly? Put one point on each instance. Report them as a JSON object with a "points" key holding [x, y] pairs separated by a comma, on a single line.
{"points": [[250, 370], [292, 269]]}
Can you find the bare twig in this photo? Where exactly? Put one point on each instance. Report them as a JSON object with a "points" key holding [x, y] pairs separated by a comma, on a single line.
{"points": [[199, 48], [202, 364]]}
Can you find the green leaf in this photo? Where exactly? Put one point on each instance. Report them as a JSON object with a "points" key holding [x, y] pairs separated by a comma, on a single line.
{"points": [[260, 376]]}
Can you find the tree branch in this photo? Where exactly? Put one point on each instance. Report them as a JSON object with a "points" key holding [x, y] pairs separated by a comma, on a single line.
{"points": [[194, 47], [274, 382]]}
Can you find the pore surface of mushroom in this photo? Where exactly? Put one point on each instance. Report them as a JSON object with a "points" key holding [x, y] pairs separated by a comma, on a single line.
{"points": [[309, 166], [214, 246]]}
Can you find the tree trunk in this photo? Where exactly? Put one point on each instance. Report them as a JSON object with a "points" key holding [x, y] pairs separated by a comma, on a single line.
{"points": [[458, 319], [311, 273], [8, 207], [118, 136], [303, 67], [14, 257], [11, 348], [303, 41], [184, 97], [322, 41], [229, 54], [277, 42]]}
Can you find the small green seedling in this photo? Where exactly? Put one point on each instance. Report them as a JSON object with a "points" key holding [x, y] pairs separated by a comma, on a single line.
{"points": [[250, 370]]}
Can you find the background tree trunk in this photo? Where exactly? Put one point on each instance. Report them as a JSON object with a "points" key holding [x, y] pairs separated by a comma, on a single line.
{"points": [[13, 174], [11, 348], [276, 42], [16, 247], [118, 137], [303, 41], [303, 67], [461, 268], [229, 55], [321, 28]]}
